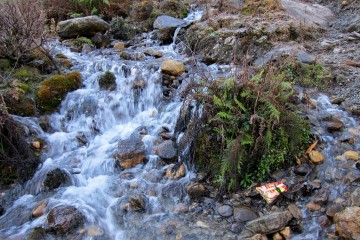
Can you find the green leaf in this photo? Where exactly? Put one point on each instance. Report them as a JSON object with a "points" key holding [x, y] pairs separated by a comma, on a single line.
{"points": [[217, 101], [223, 115], [240, 105]]}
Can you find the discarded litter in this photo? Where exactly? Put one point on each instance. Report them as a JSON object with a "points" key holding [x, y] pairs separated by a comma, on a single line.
{"points": [[271, 191]]}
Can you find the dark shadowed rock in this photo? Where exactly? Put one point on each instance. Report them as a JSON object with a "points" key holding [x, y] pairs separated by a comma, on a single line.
{"points": [[244, 214], [84, 26], [196, 190], [173, 189], [333, 209], [56, 178], [302, 170], [107, 81], [270, 223], [63, 219]]}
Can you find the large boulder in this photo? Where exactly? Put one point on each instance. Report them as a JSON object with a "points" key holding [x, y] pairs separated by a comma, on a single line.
{"points": [[83, 26], [131, 151], [62, 219], [166, 26], [172, 67], [308, 13], [270, 223], [347, 223]]}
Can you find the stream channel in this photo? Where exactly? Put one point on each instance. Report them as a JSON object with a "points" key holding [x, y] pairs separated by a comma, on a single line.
{"points": [[140, 202]]}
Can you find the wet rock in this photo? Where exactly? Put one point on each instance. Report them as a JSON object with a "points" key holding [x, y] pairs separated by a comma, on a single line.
{"points": [[347, 137], [56, 178], [131, 151], [181, 208], [38, 233], [225, 211], [101, 40], [333, 209], [244, 214], [107, 81], [166, 26], [138, 203], [176, 171], [139, 84], [173, 189], [286, 233], [316, 157], [295, 211], [153, 53], [201, 224], [94, 231], [347, 223], [270, 223], [86, 48], [165, 136], [334, 125], [84, 26], [2, 210], [119, 46], [173, 68], [321, 197], [166, 150], [235, 228], [63, 219], [355, 110], [196, 190], [353, 176], [36, 144], [337, 100], [40, 209], [314, 14], [303, 169], [313, 207], [351, 155], [355, 198]]}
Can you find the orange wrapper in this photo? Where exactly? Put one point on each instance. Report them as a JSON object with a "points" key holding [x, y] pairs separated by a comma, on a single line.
{"points": [[271, 191]]}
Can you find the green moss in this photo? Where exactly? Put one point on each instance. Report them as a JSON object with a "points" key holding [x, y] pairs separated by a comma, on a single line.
{"points": [[250, 130], [61, 55], [25, 87], [308, 75], [27, 74], [51, 91], [261, 6]]}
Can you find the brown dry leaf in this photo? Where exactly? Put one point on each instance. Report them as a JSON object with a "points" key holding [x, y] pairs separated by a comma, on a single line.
{"points": [[312, 146]]}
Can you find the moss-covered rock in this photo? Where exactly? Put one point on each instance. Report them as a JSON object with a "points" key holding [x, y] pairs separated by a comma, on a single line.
{"points": [[18, 102], [51, 91], [107, 81], [27, 74], [173, 8]]}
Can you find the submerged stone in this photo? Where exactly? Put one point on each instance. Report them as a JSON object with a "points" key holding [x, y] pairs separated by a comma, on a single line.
{"points": [[63, 219]]}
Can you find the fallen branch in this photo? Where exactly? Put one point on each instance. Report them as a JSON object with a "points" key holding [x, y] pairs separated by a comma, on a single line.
{"points": [[353, 64]]}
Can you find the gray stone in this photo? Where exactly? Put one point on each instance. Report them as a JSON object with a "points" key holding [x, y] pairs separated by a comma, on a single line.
{"points": [[321, 197], [314, 14], [84, 26], [166, 150], [355, 198], [131, 151], [270, 223], [164, 22], [225, 211], [354, 25], [244, 214], [295, 211], [153, 53]]}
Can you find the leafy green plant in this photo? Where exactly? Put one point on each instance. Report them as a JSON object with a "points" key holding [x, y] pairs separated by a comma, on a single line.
{"points": [[250, 129]]}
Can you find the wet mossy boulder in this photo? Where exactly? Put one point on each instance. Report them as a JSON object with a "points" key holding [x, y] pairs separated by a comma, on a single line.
{"points": [[142, 10], [18, 101], [83, 26], [107, 81], [51, 91], [63, 219]]}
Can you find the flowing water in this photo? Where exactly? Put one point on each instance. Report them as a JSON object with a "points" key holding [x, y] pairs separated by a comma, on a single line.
{"points": [[83, 139]]}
